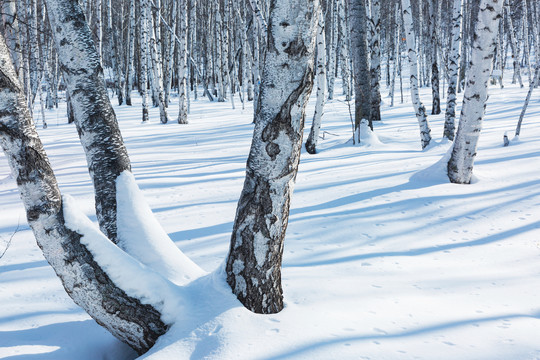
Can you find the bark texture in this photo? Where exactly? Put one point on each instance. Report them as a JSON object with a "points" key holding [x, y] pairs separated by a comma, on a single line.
{"points": [[94, 116], [256, 249], [461, 161], [453, 64], [87, 283]]}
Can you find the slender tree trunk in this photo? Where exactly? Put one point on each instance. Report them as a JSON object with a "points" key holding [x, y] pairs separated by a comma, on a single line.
{"points": [[143, 56], [513, 45], [461, 161], [344, 50], [182, 63], [453, 62], [313, 138], [332, 48], [254, 261], [156, 58], [375, 63], [130, 72], [433, 27], [532, 85], [420, 110]]}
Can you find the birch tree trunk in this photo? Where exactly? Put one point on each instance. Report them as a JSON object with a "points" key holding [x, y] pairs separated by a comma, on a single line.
{"points": [[461, 162], [256, 249], [344, 50], [433, 28], [453, 63], [313, 138], [182, 62], [332, 47], [360, 57], [420, 110], [375, 63], [155, 56], [513, 45], [86, 281], [143, 56], [130, 72], [532, 85]]}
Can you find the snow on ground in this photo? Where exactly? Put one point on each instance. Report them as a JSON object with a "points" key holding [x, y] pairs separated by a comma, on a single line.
{"points": [[384, 259]]}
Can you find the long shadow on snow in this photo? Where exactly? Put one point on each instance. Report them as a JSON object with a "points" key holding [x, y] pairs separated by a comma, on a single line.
{"points": [[315, 346]]}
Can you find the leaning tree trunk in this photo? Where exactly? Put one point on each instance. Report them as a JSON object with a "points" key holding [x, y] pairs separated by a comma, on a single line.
{"points": [[453, 64], [256, 249], [420, 110], [131, 319], [532, 85], [461, 161], [311, 143], [94, 116], [360, 57], [105, 151]]}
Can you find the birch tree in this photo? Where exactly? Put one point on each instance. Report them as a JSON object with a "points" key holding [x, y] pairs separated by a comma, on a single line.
{"points": [[182, 62], [375, 63], [420, 110], [134, 319], [453, 63], [360, 57], [461, 162], [254, 261], [311, 143]]}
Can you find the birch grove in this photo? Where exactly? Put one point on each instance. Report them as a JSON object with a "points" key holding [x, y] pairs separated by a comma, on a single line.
{"points": [[168, 55]]}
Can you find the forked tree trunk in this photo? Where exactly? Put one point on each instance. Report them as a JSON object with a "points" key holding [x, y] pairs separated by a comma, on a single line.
{"points": [[420, 110], [256, 249], [86, 280], [461, 161]]}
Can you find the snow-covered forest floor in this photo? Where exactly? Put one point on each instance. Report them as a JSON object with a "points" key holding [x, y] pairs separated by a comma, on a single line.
{"points": [[384, 258]]}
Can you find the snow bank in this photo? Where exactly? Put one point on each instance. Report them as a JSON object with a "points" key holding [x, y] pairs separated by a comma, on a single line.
{"points": [[141, 235]]}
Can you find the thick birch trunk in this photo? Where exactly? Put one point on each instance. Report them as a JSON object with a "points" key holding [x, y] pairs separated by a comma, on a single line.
{"points": [[254, 261], [86, 281], [420, 110], [360, 57], [313, 138], [461, 161], [453, 63]]}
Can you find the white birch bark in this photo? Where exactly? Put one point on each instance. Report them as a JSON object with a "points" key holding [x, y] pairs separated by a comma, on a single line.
{"points": [[133, 318], [344, 50], [182, 62], [433, 28], [461, 162], [513, 45], [332, 49], [254, 261], [375, 63], [453, 64], [532, 85], [130, 72], [143, 76], [420, 110], [155, 57], [320, 72]]}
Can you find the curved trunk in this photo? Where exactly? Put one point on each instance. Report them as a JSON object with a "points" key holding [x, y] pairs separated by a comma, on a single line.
{"points": [[256, 249], [461, 161], [136, 322]]}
